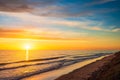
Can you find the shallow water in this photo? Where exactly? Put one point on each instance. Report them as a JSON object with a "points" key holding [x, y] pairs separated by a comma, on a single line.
{"points": [[13, 65]]}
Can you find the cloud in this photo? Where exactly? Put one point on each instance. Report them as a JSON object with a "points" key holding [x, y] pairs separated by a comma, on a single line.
{"points": [[116, 30], [14, 6], [31, 20], [23, 5], [40, 33], [69, 11], [51, 8], [38, 23], [98, 2], [9, 31]]}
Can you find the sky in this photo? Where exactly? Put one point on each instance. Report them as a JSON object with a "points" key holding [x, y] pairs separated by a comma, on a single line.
{"points": [[60, 24]]}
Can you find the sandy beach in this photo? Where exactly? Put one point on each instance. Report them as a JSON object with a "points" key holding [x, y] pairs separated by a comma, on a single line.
{"points": [[107, 68]]}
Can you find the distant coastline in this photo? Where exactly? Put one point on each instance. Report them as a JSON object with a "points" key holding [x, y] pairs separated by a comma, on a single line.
{"points": [[107, 68]]}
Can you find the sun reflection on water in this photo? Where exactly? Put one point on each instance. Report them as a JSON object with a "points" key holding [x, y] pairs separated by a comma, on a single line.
{"points": [[27, 47]]}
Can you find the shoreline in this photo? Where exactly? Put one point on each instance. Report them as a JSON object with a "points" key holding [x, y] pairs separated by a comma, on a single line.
{"points": [[102, 69], [52, 75]]}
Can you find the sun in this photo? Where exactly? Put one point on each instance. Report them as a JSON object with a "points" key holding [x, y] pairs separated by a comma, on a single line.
{"points": [[27, 46]]}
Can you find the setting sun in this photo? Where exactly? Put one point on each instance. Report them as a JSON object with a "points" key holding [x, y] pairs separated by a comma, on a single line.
{"points": [[27, 46]]}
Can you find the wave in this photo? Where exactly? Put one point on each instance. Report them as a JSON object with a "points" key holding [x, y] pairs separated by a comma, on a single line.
{"points": [[22, 69], [44, 59]]}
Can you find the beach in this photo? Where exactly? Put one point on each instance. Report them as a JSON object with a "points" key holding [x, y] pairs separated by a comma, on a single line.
{"points": [[107, 68]]}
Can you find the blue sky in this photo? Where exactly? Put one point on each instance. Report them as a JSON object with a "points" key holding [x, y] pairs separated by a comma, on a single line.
{"points": [[53, 18]]}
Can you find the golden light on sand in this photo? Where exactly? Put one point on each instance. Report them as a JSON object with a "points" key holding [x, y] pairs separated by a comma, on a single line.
{"points": [[27, 47]]}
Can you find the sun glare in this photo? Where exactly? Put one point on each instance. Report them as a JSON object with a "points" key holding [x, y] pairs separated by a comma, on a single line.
{"points": [[27, 47]]}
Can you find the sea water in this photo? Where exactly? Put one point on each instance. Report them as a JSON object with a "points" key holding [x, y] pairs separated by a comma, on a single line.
{"points": [[13, 64]]}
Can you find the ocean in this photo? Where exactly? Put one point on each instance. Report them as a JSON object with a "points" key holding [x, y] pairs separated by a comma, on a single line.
{"points": [[13, 64]]}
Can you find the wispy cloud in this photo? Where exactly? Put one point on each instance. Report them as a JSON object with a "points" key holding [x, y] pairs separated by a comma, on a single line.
{"points": [[98, 2], [22, 5], [116, 30], [40, 22], [40, 33], [14, 6], [51, 8]]}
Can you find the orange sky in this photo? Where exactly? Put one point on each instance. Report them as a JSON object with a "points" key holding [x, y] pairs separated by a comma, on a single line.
{"points": [[19, 44], [45, 39]]}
